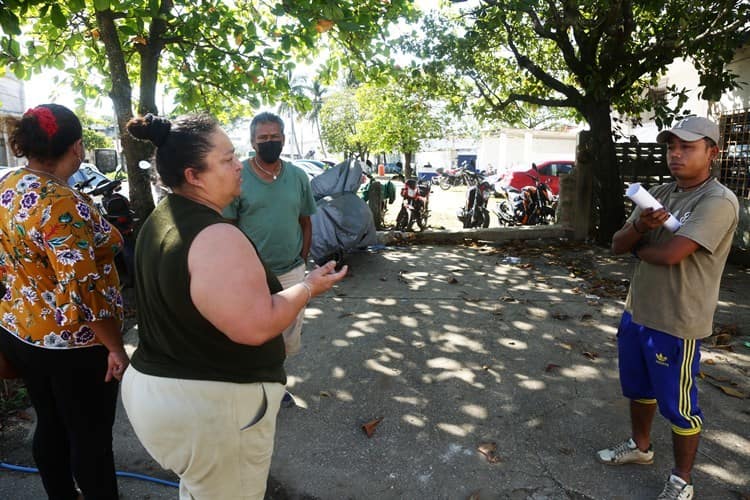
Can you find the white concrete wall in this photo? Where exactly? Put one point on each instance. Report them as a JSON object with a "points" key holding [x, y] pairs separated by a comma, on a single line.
{"points": [[509, 148], [682, 73], [738, 98]]}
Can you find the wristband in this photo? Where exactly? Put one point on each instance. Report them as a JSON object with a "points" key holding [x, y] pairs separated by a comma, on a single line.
{"points": [[309, 291]]}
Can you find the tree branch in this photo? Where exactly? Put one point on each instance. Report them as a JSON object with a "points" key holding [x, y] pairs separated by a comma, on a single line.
{"points": [[538, 72]]}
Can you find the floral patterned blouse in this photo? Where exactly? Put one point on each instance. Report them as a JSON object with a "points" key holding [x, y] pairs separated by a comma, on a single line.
{"points": [[57, 262]]}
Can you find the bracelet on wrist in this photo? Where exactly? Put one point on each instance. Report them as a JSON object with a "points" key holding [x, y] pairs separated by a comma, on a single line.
{"points": [[309, 291]]}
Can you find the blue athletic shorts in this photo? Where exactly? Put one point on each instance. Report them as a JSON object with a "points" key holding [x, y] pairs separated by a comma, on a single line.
{"points": [[656, 367]]}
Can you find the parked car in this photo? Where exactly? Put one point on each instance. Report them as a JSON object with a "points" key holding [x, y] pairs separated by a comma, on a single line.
{"points": [[426, 173], [310, 168], [87, 174], [392, 168], [549, 172]]}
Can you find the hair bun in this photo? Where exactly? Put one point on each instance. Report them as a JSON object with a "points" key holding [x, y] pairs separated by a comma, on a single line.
{"points": [[150, 127]]}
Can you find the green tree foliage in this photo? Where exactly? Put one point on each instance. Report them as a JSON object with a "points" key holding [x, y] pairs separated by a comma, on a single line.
{"points": [[223, 57], [340, 123], [396, 117], [92, 139], [373, 117], [95, 140], [590, 56]]}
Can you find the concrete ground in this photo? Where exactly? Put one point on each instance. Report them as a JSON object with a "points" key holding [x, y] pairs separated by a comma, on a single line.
{"points": [[465, 348]]}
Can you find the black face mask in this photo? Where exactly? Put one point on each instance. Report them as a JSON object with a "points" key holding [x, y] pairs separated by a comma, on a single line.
{"points": [[269, 151]]}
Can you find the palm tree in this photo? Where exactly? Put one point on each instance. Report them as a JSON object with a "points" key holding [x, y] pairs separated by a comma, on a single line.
{"points": [[290, 106], [317, 91]]}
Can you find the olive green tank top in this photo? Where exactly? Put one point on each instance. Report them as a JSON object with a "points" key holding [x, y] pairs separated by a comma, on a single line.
{"points": [[175, 340]]}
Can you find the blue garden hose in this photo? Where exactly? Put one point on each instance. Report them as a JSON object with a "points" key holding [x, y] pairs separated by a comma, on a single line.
{"points": [[133, 475]]}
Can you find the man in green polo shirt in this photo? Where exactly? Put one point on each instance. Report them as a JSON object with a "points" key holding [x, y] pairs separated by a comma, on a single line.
{"points": [[274, 210]]}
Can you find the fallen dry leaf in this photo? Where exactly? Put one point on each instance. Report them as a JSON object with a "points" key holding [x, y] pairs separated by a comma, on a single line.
{"points": [[729, 391], [709, 361], [590, 354], [551, 366], [489, 450], [722, 339], [370, 426], [452, 280], [722, 347], [474, 495], [586, 317], [560, 316], [566, 346], [714, 377], [325, 394], [717, 382], [730, 330]]}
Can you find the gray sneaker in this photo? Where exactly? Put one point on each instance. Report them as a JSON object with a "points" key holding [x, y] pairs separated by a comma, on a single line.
{"points": [[625, 453], [676, 489]]}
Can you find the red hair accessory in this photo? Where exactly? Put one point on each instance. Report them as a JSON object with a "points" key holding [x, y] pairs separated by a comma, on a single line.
{"points": [[46, 119]]}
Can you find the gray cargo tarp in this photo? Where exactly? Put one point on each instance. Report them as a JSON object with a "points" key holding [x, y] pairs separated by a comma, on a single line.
{"points": [[343, 220]]}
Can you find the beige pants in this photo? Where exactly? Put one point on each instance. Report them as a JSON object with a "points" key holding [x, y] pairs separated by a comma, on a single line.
{"points": [[293, 333], [217, 436]]}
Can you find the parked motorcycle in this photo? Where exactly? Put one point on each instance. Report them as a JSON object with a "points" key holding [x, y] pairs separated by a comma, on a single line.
{"points": [[474, 212], [415, 206], [458, 177], [115, 208], [530, 206], [378, 196]]}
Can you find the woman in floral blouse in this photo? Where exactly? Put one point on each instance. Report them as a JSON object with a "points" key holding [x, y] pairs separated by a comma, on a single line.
{"points": [[61, 312]]}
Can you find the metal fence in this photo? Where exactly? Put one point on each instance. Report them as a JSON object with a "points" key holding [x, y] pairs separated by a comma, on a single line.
{"points": [[644, 162], [734, 158]]}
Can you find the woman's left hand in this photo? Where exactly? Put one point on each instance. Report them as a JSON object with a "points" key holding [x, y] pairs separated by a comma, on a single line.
{"points": [[117, 362]]}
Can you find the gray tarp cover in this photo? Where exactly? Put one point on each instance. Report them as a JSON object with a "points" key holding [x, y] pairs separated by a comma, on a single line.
{"points": [[343, 220]]}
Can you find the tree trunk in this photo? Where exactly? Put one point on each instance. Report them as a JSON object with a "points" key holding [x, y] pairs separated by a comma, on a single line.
{"points": [[608, 189], [408, 173], [294, 134], [121, 95], [320, 138]]}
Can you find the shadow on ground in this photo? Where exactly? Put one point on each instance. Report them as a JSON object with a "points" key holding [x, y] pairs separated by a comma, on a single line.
{"points": [[459, 348]]}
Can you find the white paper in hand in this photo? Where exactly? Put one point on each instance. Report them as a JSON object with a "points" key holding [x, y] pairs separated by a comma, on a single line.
{"points": [[644, 200]]}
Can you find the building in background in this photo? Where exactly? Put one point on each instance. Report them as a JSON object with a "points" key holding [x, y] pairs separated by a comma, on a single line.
{"points": [[12, 102]]}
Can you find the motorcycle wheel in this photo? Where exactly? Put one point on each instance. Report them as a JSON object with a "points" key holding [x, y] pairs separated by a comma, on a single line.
{"points": [[505, 214], [485, 216], [422, 221], [402, 220], [445, 184]]}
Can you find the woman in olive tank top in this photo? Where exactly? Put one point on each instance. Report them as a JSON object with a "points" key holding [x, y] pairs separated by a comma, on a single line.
{"points": [[205, 383]]}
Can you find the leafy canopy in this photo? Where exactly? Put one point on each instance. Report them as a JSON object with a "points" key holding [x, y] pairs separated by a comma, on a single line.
{"points": [[577, 53], [225, 57], [375, 118]]}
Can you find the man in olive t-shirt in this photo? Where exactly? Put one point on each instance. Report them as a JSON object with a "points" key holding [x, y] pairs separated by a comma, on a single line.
{"points": [[672, 299]]}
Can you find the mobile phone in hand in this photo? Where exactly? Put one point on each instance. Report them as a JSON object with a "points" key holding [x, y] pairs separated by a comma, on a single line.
{"points": [[337, 256]]}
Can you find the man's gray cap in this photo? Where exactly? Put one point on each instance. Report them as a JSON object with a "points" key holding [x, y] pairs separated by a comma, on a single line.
{"points": [[691, 129]]}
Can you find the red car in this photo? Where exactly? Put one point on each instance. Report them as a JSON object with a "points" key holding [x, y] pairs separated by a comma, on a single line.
{"points": [[548, 173]]}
